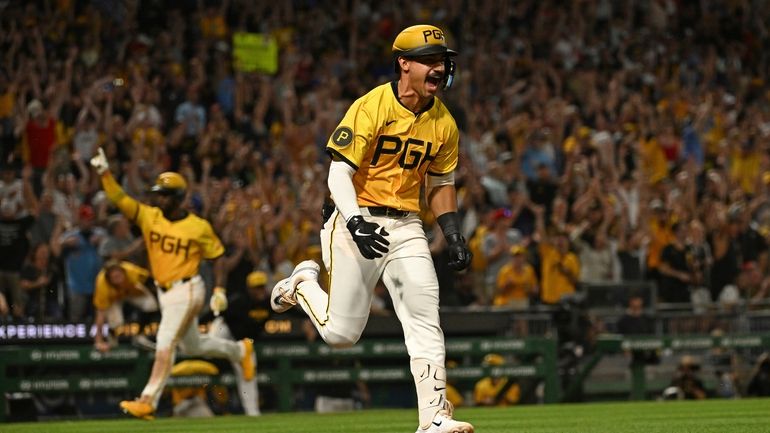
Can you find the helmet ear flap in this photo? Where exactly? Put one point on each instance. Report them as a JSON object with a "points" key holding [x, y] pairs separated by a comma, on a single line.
{"points": [[449, 74]]}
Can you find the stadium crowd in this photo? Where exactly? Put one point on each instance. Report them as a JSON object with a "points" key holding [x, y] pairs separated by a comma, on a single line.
{"points": [[602, 141]]}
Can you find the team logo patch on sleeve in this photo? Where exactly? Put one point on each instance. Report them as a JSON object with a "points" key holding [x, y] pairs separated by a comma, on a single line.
{"points": [[342, 136]]}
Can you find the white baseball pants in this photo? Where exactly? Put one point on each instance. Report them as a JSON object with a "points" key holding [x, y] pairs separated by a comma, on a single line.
{"points": [[408, 273], [179, 307], [247, 389]]}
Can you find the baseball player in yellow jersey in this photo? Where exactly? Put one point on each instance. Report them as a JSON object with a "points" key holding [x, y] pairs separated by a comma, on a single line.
{"points": [[117, 282], [393, 141], [176, 243], [496, 390]]}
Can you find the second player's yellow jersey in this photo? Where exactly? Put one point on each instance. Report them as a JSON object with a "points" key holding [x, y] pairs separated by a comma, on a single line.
{"points": [[391, 148], [488, 389], [105, 294], [174, 248]]}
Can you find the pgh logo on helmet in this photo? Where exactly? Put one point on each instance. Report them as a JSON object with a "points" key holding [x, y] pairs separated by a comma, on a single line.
{"points": [[424, 40]]}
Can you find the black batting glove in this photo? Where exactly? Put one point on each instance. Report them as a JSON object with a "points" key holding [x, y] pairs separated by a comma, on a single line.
{"points": [[369, 237], [459, 254]]}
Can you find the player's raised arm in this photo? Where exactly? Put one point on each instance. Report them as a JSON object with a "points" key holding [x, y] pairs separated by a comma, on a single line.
{"points": [[127, 205]]}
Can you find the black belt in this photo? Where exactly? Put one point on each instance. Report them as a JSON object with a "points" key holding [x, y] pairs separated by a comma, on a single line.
{"points": [[388, 212], [173, 283]]}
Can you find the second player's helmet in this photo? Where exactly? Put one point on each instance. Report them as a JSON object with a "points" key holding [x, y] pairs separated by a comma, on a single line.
{"points": [[425, 40], [170, 183]]}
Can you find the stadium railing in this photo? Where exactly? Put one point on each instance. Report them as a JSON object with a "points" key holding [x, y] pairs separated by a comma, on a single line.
{"points": [[641, 384], [80, 368]]}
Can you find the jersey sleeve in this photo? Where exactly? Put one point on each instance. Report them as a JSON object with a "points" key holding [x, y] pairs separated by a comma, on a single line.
{"points": [[530, 276], [446, 159], [572, 263], [502, 276], [101, 298], [211, 246], [130, 207], [136, 274], [353, 136]]}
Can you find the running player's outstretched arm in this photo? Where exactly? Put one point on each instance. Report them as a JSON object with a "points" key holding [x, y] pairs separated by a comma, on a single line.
{"points": [[127, 205], [368, 236], [218, 302], [442, 199]]}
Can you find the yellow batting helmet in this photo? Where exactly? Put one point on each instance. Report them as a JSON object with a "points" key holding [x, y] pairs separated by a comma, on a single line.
{"points": [[193, 367], [425, 40], [493, 360], [421, 40], [170, 182], [256, 278]]}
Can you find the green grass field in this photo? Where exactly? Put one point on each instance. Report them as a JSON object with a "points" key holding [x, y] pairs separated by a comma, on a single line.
{"points": [[717, 416]]}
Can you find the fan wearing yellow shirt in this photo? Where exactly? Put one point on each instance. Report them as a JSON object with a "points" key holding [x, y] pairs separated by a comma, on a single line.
{"points": [[391, 143], [516, 281], [176, 241], [559, 267], [116, 283]]}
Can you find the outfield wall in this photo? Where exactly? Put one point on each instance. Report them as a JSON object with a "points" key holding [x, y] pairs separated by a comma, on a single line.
{"points": [[80, 369]]}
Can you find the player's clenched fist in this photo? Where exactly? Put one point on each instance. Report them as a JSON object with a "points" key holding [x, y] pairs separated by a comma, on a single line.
{"points": [[459, 254], [99, 161], [369, 237], [218, 301]]}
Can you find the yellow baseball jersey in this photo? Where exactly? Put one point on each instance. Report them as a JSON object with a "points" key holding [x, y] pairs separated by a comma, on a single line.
{"points": [[660, 236], [391, 148], [554, 283], [513, 284], [745, 169], [488, 388], [454, 396], [105, 294], [175, 248]]}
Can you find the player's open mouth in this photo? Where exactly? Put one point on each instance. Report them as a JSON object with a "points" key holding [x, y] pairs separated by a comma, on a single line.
{"points": [[434, 80]]}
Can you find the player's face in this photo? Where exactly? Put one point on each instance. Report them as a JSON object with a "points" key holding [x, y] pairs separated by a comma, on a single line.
{"points": [[426, 74], [166, 202], [116, 277]]}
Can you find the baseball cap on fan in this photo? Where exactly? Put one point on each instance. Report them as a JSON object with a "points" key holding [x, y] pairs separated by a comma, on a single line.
{"points": [[35, 108], [421, 40], [86, 213]]}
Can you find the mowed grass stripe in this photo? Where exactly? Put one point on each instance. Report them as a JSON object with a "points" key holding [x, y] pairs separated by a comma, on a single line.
{"points": [[712, 416], [647, 417]]}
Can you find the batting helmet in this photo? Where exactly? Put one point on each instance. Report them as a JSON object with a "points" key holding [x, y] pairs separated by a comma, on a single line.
{"points": [[256, 278], [425, 40], [493, 360], [421, 40], [171, 183]]}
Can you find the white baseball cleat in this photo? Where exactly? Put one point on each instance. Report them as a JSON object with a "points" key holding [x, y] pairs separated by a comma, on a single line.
{"points": [[443, 423], [284, 295]]}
